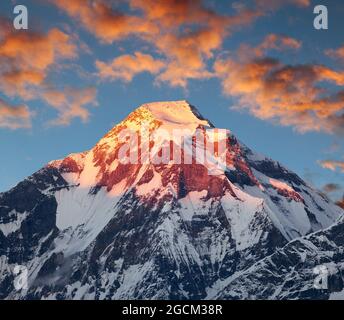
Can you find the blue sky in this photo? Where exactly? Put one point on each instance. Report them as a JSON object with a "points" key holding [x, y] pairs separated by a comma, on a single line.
{"points": [[27, 148]]}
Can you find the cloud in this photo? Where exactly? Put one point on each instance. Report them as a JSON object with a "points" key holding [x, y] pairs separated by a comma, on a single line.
{"points": [[70, 103], [189, 35], [125, 67], [26, 61], [292, 95], [332, 165], [27, 57], [336, 53], [277, 42], [276, 4], [185, 33], [14, 117], [37, 51], [331, 187]]}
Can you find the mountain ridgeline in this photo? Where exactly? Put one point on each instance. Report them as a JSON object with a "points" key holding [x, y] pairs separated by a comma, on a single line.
{"points": [[92, 226]]}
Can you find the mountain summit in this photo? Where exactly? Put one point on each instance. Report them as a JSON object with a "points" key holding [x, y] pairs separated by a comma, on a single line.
{"points": [[176, 113], [166, 206]]}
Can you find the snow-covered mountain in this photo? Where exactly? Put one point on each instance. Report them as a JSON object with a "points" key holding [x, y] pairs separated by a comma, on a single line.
{"points": [[92, 226]]}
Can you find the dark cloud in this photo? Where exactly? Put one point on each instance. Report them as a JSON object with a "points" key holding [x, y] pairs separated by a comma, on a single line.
{"points": [[331, 187]]}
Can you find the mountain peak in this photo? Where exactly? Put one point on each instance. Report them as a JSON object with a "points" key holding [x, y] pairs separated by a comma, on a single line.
{"points": [[161, 104], [130, 209], [179, 112], [166, 115]]}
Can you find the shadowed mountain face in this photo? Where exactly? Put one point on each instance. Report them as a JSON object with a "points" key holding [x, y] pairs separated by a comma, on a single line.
{"points": [[125, 220]]}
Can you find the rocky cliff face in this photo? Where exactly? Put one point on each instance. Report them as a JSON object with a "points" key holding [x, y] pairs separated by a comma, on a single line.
{"points": [[93, 226]]}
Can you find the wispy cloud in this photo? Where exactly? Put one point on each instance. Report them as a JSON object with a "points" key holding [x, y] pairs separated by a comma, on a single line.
{"points": [[332, 165], [125, 67], [70, 103], [276, 4], [185, 33], [183, 39], [292, 95], [336, 53], [100, 19], [331, 187], [276, 42], [14, 116], [26, 60]]}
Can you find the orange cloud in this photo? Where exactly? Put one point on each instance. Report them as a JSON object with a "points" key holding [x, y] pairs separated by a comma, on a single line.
{"points": [[125, 67], [186, 33], [32, 50], [173, 13], [336, 53], [189, 35], [187, 55], [26, 60], [14, 117], [277, 42], [99, 18], [275, 4], [332, 165], [293, 95], [70, 103]]}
